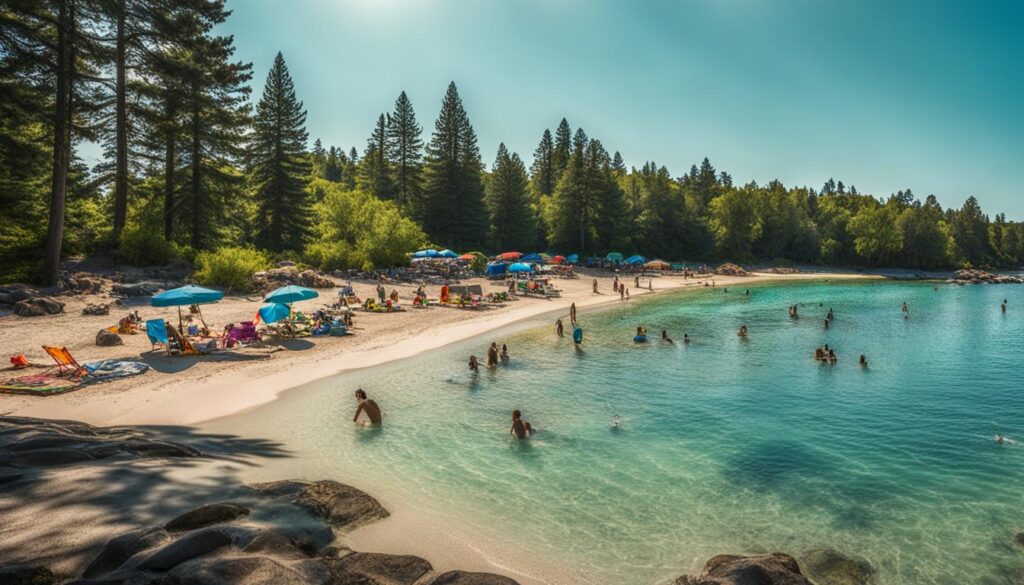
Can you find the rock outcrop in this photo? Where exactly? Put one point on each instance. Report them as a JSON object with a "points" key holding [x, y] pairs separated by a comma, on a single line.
{"points": [[342, 506], [829, 567], [285, 275], [730, 269], [207, 515], [771, 569], [96, 309], [124, 547], [968, 276], [38, 307]]}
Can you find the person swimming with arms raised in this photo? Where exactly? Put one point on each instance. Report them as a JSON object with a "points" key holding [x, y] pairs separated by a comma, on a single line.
{"points": [[369, 407], [520, 428]]}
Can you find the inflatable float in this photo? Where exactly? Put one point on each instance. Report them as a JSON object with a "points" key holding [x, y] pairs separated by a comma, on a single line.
{"points": [[640, 339], [577, 335]]}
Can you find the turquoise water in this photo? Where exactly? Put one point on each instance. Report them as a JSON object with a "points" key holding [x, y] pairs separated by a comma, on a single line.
{"points": [[725, 444]]}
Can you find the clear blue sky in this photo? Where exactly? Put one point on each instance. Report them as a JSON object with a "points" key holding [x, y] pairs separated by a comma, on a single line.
{"points": [[884, 95]]}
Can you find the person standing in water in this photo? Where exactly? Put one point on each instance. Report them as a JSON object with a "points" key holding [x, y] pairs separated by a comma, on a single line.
{"points": [[492, 355], [474, 364], [686, 338], [520, 428], [504, 352], [1003, 306], [559, 329], [572, 313], [665, 337], [369, 407], [863, 361], [743, 331], [826, 323]]}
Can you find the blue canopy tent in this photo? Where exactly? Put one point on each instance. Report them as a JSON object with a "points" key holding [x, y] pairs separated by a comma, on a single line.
{"points": [[614, 257], [636, 259], [447, 254], [274, 312], [573, 258], [496, 269], [520, 267], [532, 257], [186, 296], [431, 253]]}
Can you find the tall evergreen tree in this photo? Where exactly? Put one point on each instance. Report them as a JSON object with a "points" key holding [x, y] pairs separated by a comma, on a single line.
{"points": [[405, 151], [508, 202], [278, 164], [452, 208], [542, 170], [375, 171], [562, 150]]}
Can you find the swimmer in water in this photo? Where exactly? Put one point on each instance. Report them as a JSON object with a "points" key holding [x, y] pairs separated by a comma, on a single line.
{"points": [[615, 421], [686, 338], [743, 331], [826, 323], [368, 406], [1000, 439], [520, 428], [863, 361], [665, 337], [559, 328], [905, 308], [474, 364], [504, 352]]}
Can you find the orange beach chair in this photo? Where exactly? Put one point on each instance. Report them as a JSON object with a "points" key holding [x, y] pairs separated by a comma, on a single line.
{"points": [[66, 364]]}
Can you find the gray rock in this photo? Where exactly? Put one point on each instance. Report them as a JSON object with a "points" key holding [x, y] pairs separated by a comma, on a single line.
{"points": [[105, 338], [124, 547], [771, 569], [381, 568], [341, 505], [829, 567], [464, 578], [98, 309], [187, 547], [207, 515], [276, 544], [139, 289], [37, 307], [232, 570], [18, 292], [26, 575], [281, 488]]}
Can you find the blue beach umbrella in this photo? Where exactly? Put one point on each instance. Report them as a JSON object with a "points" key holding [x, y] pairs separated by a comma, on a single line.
{"points": [[186, 296], [290, 294], [274, 312], [573, 258], [430, 253], [613, 257], [635, 259], [531, 257], [520, 267], [447, 254]]}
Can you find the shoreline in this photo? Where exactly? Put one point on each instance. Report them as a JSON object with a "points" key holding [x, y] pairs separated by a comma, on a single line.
{"points": [[188, 399]]}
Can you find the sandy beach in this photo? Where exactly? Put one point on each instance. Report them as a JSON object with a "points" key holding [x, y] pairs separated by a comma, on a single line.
{"points": [[180, 392]]}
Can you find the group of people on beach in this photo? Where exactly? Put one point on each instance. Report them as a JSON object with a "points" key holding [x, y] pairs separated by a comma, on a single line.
{"points": [[493, 356], [620, 287]]}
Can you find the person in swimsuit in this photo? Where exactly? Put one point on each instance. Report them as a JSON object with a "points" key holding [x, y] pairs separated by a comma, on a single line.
{"points": [[520, 428], [474, 364], [686, 338], [743, 331], [559, 329], [665, 337], [369, 407], [492, 355], [863, 361], [572, 313], [504, 352]]}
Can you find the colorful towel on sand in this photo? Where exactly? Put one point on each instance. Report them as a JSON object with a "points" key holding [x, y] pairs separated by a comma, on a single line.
{"points": [[112, 369], [37, 384]]}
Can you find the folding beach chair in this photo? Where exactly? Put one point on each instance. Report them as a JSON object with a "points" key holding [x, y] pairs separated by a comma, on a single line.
{"points": [[156, 330], [183, 342], [66, 365]]}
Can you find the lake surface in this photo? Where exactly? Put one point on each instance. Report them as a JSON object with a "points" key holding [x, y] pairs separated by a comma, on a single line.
{"points": [[724, 445]]}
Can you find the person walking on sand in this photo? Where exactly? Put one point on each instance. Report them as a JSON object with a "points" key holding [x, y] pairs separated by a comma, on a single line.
{"points": [[572, 313], [627, 294], [595, 286], [650, 284], [636, 282], [369, 407], [622, 292], [559, 329], [520, 428], [381, 293]]}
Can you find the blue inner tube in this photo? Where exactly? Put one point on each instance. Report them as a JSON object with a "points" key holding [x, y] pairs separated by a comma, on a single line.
{"points": [[577, 335], [640, 339]]}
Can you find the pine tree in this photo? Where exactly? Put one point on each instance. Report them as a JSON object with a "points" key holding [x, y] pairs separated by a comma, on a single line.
{"points": [[452, 211], [405, 151], [333, 166], [278, 164], [562, 150], [375, 172], [618, 165], [542, 170], [318, 160], [507, 198]]}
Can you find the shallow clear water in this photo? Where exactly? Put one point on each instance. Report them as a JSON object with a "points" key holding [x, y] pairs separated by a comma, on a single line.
{"points": [[725, 445]]}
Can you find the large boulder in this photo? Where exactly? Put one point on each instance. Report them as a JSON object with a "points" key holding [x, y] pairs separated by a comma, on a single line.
{"points": [[250, 570], [207, 515], [829, 567], [17, 292], [187, 547], [97, 309], [465, 578], [120, 549], [105, 338], [382, 569], [26, 575], [37, 307], [771, 569], [340, 505]]}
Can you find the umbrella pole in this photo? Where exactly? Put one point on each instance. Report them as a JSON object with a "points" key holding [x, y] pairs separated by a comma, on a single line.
{"points": [[179, 320], [201, 320]]}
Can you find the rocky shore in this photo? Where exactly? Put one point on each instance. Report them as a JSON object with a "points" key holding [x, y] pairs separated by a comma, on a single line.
{"points": [[268, 533], [968, 276]]}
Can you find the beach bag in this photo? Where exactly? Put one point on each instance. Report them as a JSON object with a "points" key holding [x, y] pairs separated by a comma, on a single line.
{"points": [[19, 361]]}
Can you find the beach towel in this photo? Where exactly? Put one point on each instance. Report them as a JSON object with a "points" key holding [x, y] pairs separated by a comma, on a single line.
{"points": [[38, 385], [107, 370]]}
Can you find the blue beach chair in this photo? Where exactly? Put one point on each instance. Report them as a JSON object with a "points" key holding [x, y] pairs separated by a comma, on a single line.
{"points": [[156, 330]]}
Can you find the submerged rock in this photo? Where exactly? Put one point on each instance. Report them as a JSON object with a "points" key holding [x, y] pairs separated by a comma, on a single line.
{"points": [[830, 567], [207, 515], [124, 547], [771, 569]]}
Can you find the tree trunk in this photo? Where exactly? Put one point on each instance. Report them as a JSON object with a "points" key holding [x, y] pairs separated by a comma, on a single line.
{"points": [[61, 135], [197, 211], [169, 156], [121, 127]]}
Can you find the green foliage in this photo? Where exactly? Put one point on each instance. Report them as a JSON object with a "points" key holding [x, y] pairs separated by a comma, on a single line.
{"points": [[508, 202], [144, 246], [231, 268], [357, 230]]}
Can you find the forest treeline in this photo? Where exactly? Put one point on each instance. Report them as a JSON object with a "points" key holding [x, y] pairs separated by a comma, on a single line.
{"points": [[190, 166]]}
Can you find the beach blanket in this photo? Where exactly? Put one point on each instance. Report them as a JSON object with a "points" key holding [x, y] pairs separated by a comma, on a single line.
{"points": [[107, 370], [37, 384]]}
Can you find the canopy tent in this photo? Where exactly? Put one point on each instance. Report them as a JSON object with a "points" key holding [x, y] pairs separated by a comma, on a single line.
{"points": [[430, 253], [545, 256], [290, 294], [274, 312], [635, 259], [497, 269], [186, 296], [447, 254], [573, 258], [520, 267], [657, 265], [614, 257], [532, 257], [558, 259], [467, 256], [509, 256]]}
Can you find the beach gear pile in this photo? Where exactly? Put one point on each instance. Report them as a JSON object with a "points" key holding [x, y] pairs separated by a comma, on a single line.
{"points": [[68, 374]]}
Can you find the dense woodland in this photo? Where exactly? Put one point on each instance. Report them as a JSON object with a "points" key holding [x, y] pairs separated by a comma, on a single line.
{"points": [[192, 169]]}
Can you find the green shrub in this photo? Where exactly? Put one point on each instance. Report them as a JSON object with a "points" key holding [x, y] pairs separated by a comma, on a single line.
{"points": [[230, 268], [144, 247]]}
